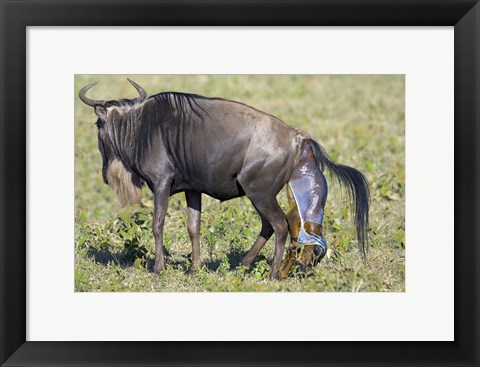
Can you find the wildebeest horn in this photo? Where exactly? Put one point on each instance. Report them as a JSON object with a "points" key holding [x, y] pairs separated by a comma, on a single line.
{"points": [[139, 89], [88, 101]]}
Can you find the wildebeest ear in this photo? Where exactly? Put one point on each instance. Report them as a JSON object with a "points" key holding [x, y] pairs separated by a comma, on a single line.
{"points": [[101, 111]]}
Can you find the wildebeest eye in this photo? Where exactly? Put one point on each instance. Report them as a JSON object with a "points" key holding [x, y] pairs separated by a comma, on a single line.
{"points": [[100, 123]]}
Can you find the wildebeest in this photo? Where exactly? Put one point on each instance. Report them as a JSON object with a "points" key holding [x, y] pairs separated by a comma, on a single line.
{"points": [[177, 142]]}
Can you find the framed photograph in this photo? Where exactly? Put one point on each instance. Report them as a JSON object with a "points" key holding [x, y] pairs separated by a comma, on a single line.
{"points": [[384, 97]]}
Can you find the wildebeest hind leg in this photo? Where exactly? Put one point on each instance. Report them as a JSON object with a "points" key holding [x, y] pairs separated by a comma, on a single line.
{"points": [[268, 207], [265, 233], [294, 223], [194, 203]]}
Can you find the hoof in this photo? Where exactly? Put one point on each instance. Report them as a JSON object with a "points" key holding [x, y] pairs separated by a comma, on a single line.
{"points": [[196, 265], [247, 264], [194, 268], [157, 269], [273, 275]]}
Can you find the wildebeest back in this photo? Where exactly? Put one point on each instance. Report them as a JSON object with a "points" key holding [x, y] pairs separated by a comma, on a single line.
{"points": [[209, 142]]}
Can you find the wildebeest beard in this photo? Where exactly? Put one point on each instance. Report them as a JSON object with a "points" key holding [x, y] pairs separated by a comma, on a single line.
{"points": [[127, 185]]}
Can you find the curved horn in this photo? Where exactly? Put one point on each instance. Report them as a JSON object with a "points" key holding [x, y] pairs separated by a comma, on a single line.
{"points": [[139, 89], [86, 100]]}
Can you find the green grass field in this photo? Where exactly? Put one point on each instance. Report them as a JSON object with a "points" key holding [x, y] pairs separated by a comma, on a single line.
{"points": [[359, 120]]}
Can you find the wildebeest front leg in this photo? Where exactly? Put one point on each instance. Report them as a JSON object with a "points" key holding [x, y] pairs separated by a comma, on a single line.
{"points": [[161, 195], [194, 203]]}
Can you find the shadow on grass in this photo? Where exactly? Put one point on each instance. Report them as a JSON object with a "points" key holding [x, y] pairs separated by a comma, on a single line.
{"points": [[126, 258], [234, 257]]}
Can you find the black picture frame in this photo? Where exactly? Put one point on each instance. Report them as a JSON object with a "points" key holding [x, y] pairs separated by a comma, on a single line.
{"points": [[16, 15]]}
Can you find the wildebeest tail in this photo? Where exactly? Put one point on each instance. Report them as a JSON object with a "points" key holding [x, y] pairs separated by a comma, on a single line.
{"points": [[356, 185]]}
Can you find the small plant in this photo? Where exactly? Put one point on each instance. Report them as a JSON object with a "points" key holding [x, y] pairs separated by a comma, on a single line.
{"points": [[261, 269]]}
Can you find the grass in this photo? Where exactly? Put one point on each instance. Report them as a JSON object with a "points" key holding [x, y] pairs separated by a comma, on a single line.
{"points": [[359, 120]]}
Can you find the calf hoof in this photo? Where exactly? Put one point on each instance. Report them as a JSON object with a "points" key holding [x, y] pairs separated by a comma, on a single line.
{"points": [[318, 254], [311, 255], [304, 271]]}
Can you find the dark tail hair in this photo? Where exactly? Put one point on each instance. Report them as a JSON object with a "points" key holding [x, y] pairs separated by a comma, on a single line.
{"points": [[356, 185]]}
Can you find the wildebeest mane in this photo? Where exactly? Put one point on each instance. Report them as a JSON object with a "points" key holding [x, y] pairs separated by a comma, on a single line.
{"points": [[180, 105], [138, 122], [125, 103]]}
